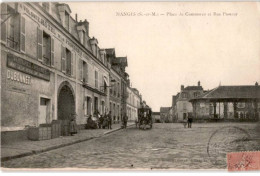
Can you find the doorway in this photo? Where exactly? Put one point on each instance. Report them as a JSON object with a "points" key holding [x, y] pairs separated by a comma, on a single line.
{"points": [[44, 110], [66, 107]]}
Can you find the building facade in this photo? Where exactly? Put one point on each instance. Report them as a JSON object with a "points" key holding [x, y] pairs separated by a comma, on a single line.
{"points": [[51, 68], [133, 103], [228, 102], [182, 105]]}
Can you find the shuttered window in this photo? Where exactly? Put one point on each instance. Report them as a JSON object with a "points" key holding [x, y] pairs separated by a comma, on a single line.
{"points": [[39, 44], [52, 52], [63, 59], [3, 21], [22, 34]]}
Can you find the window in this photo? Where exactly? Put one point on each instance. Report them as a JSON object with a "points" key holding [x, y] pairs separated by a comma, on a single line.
{"points": [[67, 61], [87, 106], [13, 28], [195, 94], [184, 106], [46, 6], [46, 49], [67, 18], [184, 95], [85, 72], [241, 105], [96, 79]]}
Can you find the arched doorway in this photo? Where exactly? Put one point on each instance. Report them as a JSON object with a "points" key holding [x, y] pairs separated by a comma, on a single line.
{"points": [[66, 106]]}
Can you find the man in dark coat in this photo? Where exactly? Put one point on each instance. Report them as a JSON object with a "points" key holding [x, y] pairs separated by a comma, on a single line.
{"points": [[109, 120]]}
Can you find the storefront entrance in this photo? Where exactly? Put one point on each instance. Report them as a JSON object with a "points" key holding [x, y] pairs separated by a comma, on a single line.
{"points": [[66, 107]]}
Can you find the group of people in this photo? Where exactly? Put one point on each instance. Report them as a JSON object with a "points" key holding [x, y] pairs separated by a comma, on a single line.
{"points": [[103, 121], [99, 121]]}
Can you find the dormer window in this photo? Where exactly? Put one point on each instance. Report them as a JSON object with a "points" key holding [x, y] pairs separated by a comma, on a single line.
{"points": [[83, 37], [67, 19], [46, 6]]}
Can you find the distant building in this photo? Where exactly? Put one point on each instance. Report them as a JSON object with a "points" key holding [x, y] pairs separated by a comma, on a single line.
{"points": [[165, 114], [182, 106], [156, 117], [228, 102]]}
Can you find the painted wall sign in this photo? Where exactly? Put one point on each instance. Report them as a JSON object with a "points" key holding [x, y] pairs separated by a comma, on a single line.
{"points": [[19, 77], [27, 67]]}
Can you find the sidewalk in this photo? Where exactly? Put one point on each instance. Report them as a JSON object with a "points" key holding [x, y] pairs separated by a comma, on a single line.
{"points": [[28, 147]]}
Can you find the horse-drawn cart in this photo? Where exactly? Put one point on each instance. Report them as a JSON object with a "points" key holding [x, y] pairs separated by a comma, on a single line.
{"points": [[144, 118]]}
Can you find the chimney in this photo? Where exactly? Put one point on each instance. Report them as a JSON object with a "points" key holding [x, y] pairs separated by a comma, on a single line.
{"points": [[76, 17], [87, 26], [256, 83], [182, 87], [198, 83]]}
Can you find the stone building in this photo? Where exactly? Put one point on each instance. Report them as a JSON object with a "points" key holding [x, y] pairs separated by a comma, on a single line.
{"points": [[182, 106], [228, 102], [50, 66], [115, 87], [133, 103]]}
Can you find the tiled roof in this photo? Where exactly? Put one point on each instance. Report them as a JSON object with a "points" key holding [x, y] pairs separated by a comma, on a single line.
{"points": [[231, 92]]}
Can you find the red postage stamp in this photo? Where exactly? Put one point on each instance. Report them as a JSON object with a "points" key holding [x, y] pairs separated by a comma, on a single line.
{"points": [[243, 161]]}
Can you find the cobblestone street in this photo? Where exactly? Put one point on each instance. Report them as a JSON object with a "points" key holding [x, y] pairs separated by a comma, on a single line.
{"points": [[204, 146]]}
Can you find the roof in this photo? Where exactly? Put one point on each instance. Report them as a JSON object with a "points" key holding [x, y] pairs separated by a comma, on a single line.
{"points": [[110, 51], [156, 113], [193, 88], [231, 92], [121, 60], [164, 109]]}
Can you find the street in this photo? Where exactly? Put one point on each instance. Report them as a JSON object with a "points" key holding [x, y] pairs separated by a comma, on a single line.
{"points": [[167, 145]]}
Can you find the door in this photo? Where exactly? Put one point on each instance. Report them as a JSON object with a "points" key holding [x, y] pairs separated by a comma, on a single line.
{"points": [[43, 111]]}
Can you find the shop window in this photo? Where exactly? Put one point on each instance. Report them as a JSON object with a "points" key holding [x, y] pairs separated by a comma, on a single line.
{"points": [[88, 106]]}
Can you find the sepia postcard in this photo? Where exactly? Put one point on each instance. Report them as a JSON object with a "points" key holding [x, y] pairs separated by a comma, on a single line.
{"points": [[130, 86]]}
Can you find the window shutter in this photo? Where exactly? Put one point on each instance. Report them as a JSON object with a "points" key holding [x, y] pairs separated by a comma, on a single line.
{"points": [[72, 64], [52, 52], [39, 44], [63, 59], [3, 22], [22, 35]]}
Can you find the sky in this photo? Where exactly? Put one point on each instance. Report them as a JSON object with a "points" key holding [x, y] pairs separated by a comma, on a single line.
{"points": [[186, 43]]}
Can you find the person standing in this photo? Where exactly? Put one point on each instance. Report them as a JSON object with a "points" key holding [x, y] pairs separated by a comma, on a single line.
{"points": [[73, 125], [109, 119], [189, 121], [125, 119]]}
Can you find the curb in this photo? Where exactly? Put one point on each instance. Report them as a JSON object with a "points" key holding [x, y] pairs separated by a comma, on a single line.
{"points": [[56, 147]]}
